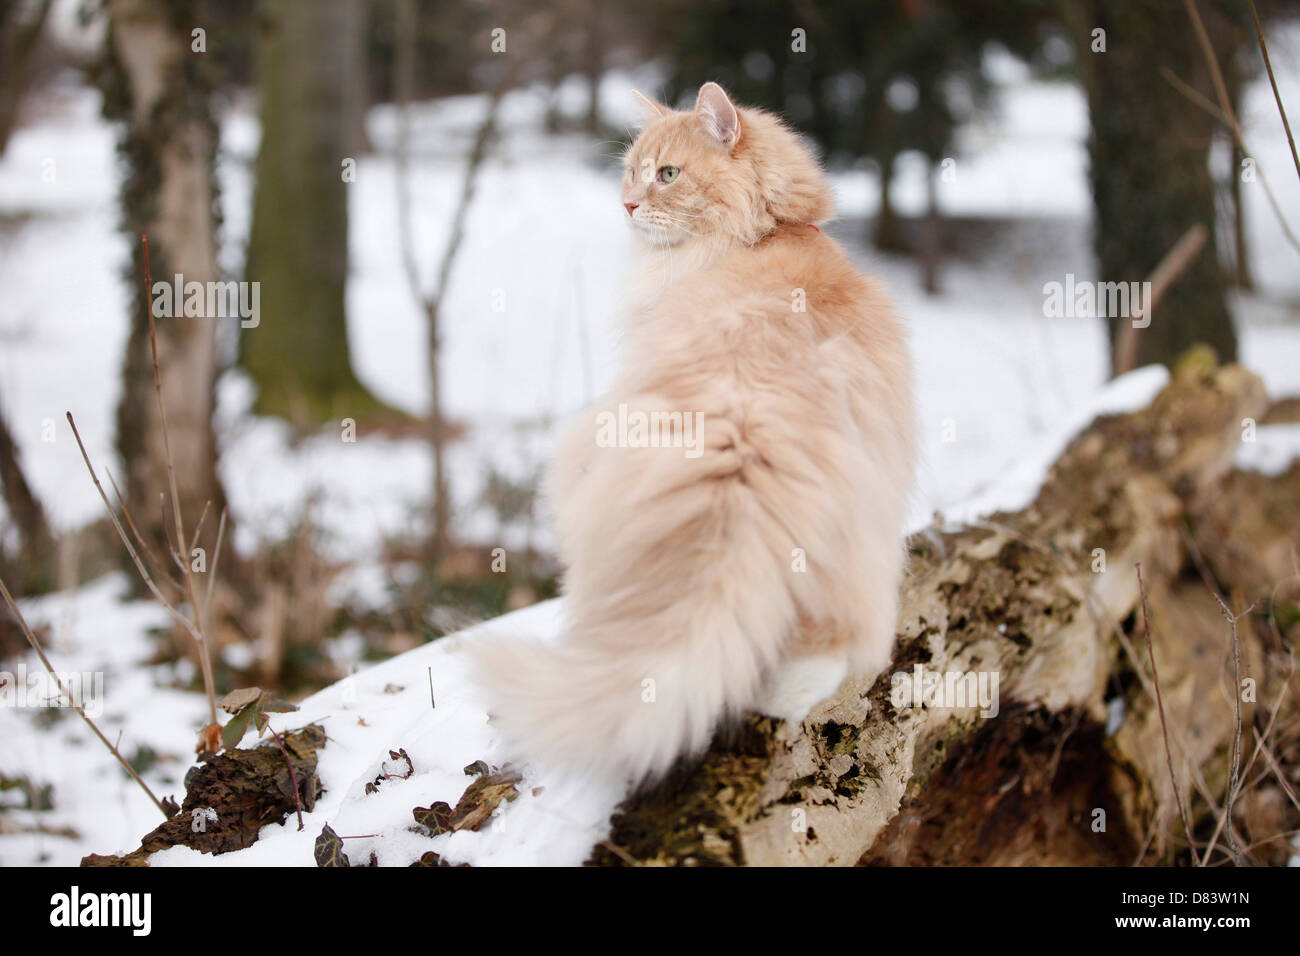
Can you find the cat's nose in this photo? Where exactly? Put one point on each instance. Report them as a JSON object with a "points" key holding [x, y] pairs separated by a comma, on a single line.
{"points": [[630, 207]]}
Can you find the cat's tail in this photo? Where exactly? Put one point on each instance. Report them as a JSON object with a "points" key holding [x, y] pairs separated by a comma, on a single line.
{"points": [[678, 604]]}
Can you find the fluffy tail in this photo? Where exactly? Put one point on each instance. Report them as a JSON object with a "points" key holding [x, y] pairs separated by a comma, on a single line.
{"points": [[678, 604]]}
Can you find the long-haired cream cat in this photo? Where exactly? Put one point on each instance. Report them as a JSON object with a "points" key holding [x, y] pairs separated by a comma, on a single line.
{"points": [[731, 511]]}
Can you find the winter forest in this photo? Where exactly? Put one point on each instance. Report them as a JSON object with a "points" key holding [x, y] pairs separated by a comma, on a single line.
{"points": [[301, 296]]}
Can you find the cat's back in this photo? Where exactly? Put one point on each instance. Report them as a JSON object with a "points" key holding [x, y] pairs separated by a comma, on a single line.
{"points": [[803, 273]]}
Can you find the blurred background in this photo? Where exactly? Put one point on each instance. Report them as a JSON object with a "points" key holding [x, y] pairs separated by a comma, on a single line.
{"points": [[426, 194]]}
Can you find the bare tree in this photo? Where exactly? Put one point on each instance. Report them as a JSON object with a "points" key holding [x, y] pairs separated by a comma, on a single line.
{"points": [[431, 302]]}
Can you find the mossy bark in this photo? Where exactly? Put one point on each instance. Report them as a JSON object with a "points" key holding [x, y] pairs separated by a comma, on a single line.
{"points": [[298, 356], [1048, 600]]}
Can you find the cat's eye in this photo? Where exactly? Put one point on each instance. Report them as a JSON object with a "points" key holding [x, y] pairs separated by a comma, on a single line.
{"points": [[668, 173]]}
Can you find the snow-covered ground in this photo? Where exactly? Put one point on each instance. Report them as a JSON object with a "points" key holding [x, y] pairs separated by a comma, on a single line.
{"points": [[1001, 389]]}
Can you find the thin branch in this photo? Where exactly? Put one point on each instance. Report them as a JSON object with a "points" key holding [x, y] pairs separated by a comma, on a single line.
{"points": [[1260, 742], [212, 573], [1281, 776], [1230, 116], [293, 776], [1268, 66], [1234, 781], [205, 663], [158, 567], [36, 646], [162, 407], [1160, 705], [1195, 95], [198, 528], [130, 549], [1174, 263]]}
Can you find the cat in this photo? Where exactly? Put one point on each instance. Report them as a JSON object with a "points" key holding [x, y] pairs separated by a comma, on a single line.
{"points": [[752, 561]]}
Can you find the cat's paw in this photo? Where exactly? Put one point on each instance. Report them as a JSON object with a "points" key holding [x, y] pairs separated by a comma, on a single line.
{"points": [[799, 684]]}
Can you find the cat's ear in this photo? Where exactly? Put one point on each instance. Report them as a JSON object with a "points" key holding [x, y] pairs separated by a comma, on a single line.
{"points": [[718, 115], [650, 109]]}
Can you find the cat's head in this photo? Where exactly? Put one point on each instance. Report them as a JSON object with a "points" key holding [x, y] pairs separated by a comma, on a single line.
{"points": [[719, 171]]}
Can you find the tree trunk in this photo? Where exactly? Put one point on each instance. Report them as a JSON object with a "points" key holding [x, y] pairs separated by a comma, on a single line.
{"points": [[888, 236], [594, 62], [1235, 82], [35, 571], [1149, 152], [298, 355], [931, 234], [20, 30], [1047, 600], [158, 87]]}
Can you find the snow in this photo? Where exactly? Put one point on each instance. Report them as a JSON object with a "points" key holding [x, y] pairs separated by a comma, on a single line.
{"points": [[368, 715], [1272, 451], [1002, 388]]}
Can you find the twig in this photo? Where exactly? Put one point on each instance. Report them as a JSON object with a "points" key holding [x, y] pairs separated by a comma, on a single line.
{"points": [[1175, 261], [293, 776], [205, 664], [36, 646], [1195, 95], [1160, 705], [1228, 115], [619, 852], [198, 528], [1268, 66], [158, 566], [1234, 781], [130, 549], [1260, 741], [1281, 776], [212, 572]]}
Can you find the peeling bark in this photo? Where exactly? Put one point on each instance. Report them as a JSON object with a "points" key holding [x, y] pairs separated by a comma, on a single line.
{"points": [[1026, 597]]}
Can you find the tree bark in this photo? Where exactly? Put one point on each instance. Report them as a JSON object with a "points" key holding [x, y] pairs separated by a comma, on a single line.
{"points": [[298, 356], [35, 571], [888, 231], [1149, 167], [20, 31], [1028, 597], [158, 87]]}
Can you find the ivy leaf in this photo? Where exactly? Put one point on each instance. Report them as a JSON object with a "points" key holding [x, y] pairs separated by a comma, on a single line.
{"points": [[436, 818], [329, 849]]}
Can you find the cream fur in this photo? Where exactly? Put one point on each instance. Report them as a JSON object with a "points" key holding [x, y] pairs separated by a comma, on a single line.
{"points": [[681, 581]]}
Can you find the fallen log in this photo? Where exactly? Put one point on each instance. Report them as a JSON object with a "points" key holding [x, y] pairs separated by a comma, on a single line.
{"points": [[1068, 766]]}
